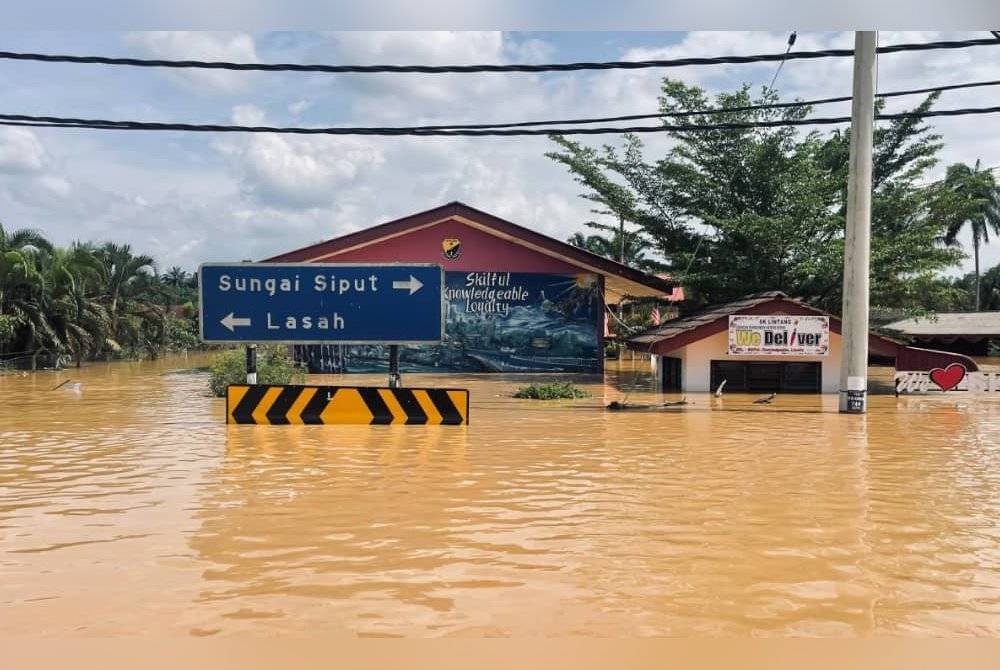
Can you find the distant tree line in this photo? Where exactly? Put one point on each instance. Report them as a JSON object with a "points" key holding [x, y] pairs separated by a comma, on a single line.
{"points": [[730, 212], [88, 301]]}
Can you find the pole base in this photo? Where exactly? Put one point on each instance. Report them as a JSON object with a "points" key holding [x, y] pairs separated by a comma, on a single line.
{"points": [[854, 402]]}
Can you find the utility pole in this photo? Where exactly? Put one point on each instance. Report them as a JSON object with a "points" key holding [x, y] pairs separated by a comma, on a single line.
{"points": [[857, 246]]}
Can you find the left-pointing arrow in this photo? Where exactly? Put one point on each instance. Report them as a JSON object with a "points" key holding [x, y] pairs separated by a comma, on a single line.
{"points": [[231, 322]]}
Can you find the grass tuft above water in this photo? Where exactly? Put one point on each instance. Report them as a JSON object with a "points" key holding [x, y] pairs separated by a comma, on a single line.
{"points": [[555, 391]]}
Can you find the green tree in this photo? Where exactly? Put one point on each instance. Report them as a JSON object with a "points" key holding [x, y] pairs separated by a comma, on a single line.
{"points": [[991, 289], [79, 321], [626, 248], [739, 210], [88, 300], [22, 292], [972, 199], [175, 277], [132, 290]]}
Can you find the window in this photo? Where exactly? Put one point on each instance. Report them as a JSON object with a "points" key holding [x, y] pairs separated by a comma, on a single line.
{"points": [[798, 377]]}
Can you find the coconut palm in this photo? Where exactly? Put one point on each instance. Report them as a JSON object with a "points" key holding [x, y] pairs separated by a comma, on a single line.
{"points": [[973, 200]]}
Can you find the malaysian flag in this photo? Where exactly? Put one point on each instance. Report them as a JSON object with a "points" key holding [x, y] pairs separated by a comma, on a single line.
{"points": [[655, 315]]}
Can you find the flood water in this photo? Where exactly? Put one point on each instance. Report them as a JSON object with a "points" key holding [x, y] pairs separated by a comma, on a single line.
{"points": [[128, 507]]}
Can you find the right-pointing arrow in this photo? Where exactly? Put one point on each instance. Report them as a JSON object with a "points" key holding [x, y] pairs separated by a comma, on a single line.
{"points": [[413, 284], [231, 322]]}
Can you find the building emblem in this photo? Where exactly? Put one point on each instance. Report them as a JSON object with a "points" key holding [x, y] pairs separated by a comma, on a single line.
{"points": [[451, 247]]}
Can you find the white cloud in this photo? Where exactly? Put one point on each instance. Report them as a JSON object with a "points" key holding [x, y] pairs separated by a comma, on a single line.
{"points": [[248, 115], [296, 172], [208, 46], [20, 151], [192, 198], [299, 106]]}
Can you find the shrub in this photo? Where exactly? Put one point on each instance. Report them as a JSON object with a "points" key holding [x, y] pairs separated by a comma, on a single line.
{"points": [[551, 391], [6, 328], [273, 367], [182, 334]]}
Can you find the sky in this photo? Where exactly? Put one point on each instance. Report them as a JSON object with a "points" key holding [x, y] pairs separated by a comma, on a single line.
{"points": [[188, 198]]}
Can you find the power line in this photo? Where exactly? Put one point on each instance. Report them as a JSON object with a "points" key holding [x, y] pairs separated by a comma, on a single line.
{"points": [[440, 69], [605, 119], [104, 124]]}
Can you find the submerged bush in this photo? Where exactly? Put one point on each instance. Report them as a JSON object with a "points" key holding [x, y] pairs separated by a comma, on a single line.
{"points": [[274, 366], [551, 391]]}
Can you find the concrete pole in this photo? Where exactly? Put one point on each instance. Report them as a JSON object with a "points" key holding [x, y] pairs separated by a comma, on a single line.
{"points": [[857, 247]]}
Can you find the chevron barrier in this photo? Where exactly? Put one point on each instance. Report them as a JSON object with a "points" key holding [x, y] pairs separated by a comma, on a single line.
{"points": [[317, 405]]}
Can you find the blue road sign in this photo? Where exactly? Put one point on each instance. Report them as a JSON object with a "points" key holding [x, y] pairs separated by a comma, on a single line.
{"points": [[319, 303]]}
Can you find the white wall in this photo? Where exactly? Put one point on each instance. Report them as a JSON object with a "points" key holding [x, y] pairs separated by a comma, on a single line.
{"points": [[697, 357]]}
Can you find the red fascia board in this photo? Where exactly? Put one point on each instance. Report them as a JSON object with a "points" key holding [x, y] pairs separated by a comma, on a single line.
{"points": [[457, 209], [876, 344]]}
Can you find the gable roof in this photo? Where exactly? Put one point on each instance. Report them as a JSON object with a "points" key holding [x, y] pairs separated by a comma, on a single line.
{"points": [[670, 329], [677, 333], [619, 279]]}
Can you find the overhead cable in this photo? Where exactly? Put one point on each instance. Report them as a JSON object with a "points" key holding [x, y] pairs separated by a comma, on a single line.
{"points": [[603, 119], [418, 131], [712, 111], [440, 69]]}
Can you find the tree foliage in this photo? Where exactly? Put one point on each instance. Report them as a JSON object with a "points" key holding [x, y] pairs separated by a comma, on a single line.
{"points": [[735, 211], [970, 197], [87, 301], [274, 366]]}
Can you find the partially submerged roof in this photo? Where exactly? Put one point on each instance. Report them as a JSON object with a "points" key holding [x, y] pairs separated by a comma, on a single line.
{"points": [[950, 324], [674, 334], [619, 280], [670, 329]]}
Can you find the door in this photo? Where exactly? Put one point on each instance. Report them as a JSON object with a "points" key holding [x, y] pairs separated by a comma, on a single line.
{"points": [[768, 377], [671, 374]]}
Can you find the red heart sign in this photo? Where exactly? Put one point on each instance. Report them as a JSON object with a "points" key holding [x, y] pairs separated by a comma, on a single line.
{"points": [[949, 377]]}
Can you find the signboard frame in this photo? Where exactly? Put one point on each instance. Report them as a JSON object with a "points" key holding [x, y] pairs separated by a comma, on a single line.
{"points": [[734, 321], [201, 303]]}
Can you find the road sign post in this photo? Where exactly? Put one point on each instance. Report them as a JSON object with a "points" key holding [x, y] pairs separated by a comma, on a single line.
{"points": [[395, 381], [251, 364], [319, 303]]}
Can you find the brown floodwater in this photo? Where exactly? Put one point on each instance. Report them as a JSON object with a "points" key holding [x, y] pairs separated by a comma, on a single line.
{"points": [[128, 507]]}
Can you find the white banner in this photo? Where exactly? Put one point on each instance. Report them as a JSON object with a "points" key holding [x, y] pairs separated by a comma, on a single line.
{"points": [[779, 335]]}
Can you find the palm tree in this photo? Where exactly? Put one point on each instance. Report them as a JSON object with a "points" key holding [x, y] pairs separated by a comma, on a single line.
{"points": [[22, 311], [77, 316], [625, 247], [175, 277], [973, 199], [128, 282]]}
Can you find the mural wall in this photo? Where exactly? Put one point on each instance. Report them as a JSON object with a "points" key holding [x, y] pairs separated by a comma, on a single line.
{"points": [[496, 322]]}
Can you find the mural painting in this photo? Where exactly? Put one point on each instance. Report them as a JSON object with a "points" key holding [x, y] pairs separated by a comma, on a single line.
{"points": [[496, 322]]}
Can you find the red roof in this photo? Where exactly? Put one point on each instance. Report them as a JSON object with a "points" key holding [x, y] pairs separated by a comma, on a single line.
{"points": [[677, 333], [635, 281]]}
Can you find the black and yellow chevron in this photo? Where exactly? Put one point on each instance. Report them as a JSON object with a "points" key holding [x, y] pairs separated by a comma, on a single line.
{"points": [[274, 405]]}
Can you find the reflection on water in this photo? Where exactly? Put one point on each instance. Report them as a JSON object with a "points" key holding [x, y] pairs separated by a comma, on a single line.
{"points": [[130, 507]]}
